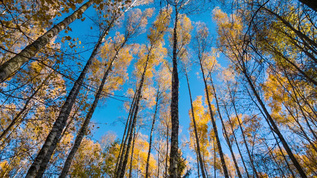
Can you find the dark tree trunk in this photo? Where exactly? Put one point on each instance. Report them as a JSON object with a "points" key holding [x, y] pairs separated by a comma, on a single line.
{"points": [[225, 131], [174, 157], [151, 133], [39, 165], [236, 141], [223, 163], [122, 167], [243, 135], [124, 137], [167, 146], [132, 151], [158, 160], [275, 128], [195, 130], [85, 125]]}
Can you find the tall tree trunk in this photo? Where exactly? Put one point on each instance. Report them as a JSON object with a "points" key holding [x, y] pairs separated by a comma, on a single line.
{"points": [[284, 157], [132, 151], [122, 166], [84, 127], [223, 163], [151, 133], [274, 127], [174, 157], [39, 165], [167, 146], [127, 131], [8, 68], [127, 128], [158, 160], [215, 156], [198, 165], [195, 130], [236, 141], [243, 134], [224, 129], [121, 169], [124, 137]]}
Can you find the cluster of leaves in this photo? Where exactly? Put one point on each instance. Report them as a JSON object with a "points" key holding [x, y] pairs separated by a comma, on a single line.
{"points": [[261, 105]]}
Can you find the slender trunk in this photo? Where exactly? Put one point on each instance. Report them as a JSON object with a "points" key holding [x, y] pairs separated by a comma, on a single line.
{"points": [[275, 128], [243, 135], [124, 137], [166, 155], [198, 165], [151, 134], [296, 100], [121, 169], [174, 106], [237, 143], [39, 165], [124, 140], [132, 151], [284, 157], [158, 160], [195, 131], [223, 163], [84, 127], [127, 131], [8, 68], [225, 131], [215, 158], [17, 119], [271, 154]]}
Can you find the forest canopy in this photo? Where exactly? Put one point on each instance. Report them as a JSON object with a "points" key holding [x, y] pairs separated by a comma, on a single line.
{"points": [[158, 88]]}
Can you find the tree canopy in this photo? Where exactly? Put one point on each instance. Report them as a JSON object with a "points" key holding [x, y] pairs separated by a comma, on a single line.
{"points": [[158, 88]]}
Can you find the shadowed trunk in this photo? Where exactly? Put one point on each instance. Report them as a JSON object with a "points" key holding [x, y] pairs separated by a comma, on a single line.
{"points": [[243, 134], [225, 131], [132, 151], [39, 165], [151, 133], [166, 155], [174, 106], [236, 141], [214, 125], [84, 127], [200, 163], [122, 167], [274, 127]]}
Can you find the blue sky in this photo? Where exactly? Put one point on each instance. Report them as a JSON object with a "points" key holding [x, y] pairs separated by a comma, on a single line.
{"points": [[108, 112]]}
